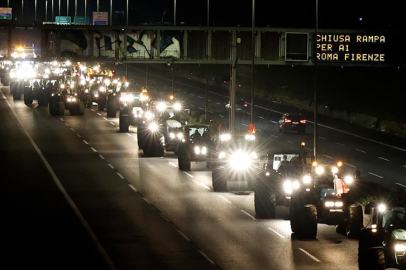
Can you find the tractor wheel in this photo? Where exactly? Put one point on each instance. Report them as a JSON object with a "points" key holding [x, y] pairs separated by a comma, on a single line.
{"points": [[80, 109], [111, 107], [101, 103], [53, 110], [303, 220], [265, 204], [141, 136], [28, 96], [60, 108], [355, 221], [89, 101], [124, 123], [16, 93], [184, 161], [219, 182]]}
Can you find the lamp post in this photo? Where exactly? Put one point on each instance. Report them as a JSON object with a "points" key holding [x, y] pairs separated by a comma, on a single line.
{"points": [[35, 11], [67, 7], [253, 62], [98, 4], [174, 12], [46, 10], [315, 82], [22, 10], [111, 12]]}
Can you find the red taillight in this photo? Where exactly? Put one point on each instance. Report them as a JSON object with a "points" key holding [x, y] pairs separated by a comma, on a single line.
{"points": [[288, 120], [303, 121], [245, 105]]}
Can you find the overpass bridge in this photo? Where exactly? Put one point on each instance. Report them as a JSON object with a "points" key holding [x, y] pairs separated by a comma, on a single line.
{"points": [[213, 45]]}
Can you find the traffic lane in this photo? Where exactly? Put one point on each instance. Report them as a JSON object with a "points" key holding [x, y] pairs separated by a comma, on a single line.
{"points": [[40, 223], [132, 232], [180, 207]]}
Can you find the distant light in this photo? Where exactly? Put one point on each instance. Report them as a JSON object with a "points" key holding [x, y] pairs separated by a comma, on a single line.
{"points": [[360, 19]]}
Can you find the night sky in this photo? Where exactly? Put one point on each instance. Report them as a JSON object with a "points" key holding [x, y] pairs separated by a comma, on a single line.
{"points": [[343, 14]]}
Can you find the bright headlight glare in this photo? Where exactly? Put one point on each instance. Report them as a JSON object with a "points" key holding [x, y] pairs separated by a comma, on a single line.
{"points": [[381, 208], [348, 179], [204, 150], [240, 160], [144, 97], [153, 127], [149, 115], [254, 155], [222, 155], [250, 137], [102, 88], [161, 106], [329, 204], [172, 135], [197, 150], [179, 135], [225, 137], [306, 179], [296, 184], [400, 248], [96, 95], [86, 90], [334, 170], [69, 99], [338, 204], [319, 170], [177, 106], [287, 186]]}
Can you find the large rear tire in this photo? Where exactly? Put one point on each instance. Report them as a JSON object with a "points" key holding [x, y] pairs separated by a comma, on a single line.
{"points": [[28, 96], [219, 182], [111, 106], [265, 204], [184, 161], [80, 109], [355, 221], [124, 123], [61, 108], [101, 103], [153, 148], [303, 220]]}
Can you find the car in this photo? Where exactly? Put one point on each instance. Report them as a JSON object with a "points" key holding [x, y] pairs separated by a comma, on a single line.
{"points": [[295, 122]]}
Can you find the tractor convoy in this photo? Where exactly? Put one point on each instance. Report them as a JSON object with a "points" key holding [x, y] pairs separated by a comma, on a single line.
{"points": [[315, 192]]}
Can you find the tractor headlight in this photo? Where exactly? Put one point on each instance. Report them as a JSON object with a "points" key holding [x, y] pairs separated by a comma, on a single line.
{"points": [[333, 204], [289, 186], [179, 135], [200, 150], [349, 179], [306, 179], [144, 97], [250, 137], [381, 208], [400, 248], [225, 137], [153, 127], [222, 155], [96, 95], [177, 106], [149, 115], [240, 160], [86, 90], [161, 106], [102, 89], [334, 170], [172, 135], [319, 170]]}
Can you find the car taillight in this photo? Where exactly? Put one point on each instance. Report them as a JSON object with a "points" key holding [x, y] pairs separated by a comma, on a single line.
{"points": [[245, 105], [303, 121], [288, 120]]}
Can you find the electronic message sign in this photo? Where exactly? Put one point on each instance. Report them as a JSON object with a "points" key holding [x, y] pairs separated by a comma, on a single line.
{"points": [[358, 48]]}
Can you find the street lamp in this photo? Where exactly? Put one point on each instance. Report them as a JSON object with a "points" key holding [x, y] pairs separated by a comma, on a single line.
{"points": [[174, 12], [315, 83], [253, 62]]}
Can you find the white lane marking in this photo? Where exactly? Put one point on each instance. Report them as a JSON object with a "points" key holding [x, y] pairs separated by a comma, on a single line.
{"points": [[111, 166], [162, 215], [340, 144], [173, 164], [207, 258], [221, 115], [224, 198], [218, 103], [188, 174], [274, 136], [94, 150], [199, 97], [375, 175], [184, 92], [192, 94], [66, 124], [203, 185], [112, 123], [200, 108], [85, 142], [133, 188], [101, 156], [191, 104], [308, 149], [248, 214], [310, 255], [75, 209], [245, 125], [275, 122], [350, 165], [99, 114], [400, 184], [78, 135], [105, 118], [404, 166], [278, 234], [92, 110], [62, 119], [328, 157], [184, 236], [211, 112], [290, 142], [209, 99], [383, 158], [119, 174], [261, 117], [72, 129], [145, 199], [322, 138], [128, 134], [359, 150]]}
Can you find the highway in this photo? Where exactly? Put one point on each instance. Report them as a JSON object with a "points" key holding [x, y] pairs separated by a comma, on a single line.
{"points": [[102, 205]]}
